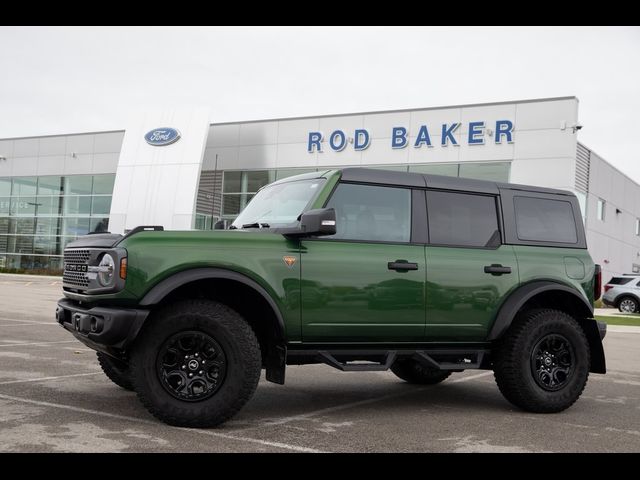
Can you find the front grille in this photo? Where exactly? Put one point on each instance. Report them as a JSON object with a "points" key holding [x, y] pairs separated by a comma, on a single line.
{"points": [[75, 257]]}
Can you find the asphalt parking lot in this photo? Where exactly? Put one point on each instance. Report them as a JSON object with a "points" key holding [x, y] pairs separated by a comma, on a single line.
{"points": [[54, 398]]}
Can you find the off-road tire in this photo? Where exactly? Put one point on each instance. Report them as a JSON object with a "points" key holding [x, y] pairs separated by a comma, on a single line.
{"points": [[513, 369], [412, 371], [118, 372], [243, 363], [635, 302]]}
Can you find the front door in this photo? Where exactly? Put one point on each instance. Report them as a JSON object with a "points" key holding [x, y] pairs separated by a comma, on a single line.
{"points": [[366, 282], [469, 271]]}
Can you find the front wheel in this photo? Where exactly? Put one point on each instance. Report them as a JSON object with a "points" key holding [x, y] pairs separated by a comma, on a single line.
{"points": [[196, 364], [542, 363]]}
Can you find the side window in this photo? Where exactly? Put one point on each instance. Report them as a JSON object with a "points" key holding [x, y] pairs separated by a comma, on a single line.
{"points": [[544, 220], [369, 212], [462, 219]]}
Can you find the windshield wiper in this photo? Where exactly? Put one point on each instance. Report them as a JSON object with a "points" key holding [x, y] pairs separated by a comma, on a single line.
{"points": [[255, 225]]}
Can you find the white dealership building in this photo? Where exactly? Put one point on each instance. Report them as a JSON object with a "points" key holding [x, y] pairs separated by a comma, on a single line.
{"points": [[175, 168]]}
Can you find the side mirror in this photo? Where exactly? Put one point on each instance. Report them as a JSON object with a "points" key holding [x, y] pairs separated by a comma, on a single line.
{"points": [[321, 221]]}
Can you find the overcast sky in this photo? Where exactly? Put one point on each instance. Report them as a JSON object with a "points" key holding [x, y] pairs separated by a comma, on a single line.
{"points": [[63, 80]]}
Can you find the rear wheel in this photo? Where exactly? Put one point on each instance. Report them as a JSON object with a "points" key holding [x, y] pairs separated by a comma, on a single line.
{"points": [[196, 364], [117, 371], [412, 371], [628, 305], [542, 363]]}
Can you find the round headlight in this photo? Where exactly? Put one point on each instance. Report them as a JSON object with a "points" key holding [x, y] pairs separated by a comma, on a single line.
{"points": [[107, 267]]}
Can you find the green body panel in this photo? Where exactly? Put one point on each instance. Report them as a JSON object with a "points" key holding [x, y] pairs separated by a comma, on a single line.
{"points": [[350, 295], [343, 291], [571, 267], [154, 256], [462, 300]]}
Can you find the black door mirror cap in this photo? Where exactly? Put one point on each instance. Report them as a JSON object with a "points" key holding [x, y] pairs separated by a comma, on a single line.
{"points": [[318, 222]]}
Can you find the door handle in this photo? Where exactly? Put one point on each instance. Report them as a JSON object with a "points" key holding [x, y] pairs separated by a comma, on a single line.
{"points": [[496, 269], [402, 266]]}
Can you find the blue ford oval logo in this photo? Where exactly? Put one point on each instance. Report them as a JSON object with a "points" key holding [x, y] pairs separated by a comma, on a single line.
{"points": [[159, 137]]}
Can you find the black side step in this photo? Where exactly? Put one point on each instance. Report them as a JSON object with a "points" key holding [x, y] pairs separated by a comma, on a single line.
{"points": [[328, 358], [349, 360]]}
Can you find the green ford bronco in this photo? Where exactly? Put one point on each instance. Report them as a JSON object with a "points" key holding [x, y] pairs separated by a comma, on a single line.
{"points": [[360, 269]]}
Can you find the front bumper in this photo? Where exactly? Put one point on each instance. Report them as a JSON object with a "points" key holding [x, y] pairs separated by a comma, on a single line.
{"points": [[106, 329]]}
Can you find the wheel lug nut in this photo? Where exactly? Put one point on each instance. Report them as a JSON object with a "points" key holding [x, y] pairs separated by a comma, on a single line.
{"points": [[184, 366], [191, 375], [201, 372], [204, 361], [196, 354], [186, 356]]}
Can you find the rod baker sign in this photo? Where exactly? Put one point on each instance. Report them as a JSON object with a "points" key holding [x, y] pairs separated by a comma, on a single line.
{"points": [[400, 137]]}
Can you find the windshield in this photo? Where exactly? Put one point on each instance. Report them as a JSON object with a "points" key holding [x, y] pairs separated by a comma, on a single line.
{"points": [[279, 204]]}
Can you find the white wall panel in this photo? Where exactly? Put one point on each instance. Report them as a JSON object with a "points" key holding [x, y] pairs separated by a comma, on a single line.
{"points": [[150, 168]]}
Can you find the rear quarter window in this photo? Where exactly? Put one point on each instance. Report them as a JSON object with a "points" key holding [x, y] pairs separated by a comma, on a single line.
{"points": [[544, 220]]}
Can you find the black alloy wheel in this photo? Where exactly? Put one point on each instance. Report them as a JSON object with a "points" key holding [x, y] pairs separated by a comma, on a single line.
{"points": [[191, 366], [552, 361]]}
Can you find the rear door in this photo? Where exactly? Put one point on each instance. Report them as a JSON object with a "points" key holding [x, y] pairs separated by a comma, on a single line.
{"points": [[469, 270]]}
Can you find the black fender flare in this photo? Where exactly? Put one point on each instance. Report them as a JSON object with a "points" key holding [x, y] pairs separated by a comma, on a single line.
{"points": [[169, 284], [522, 294]]}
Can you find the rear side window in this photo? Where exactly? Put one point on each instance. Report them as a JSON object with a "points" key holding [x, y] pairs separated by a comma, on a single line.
{"points": [[620, 280], [461, 219], [544, 220], [372, 213]]}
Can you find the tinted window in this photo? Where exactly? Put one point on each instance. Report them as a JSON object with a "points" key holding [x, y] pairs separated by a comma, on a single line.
{"points": [[461, 219], [368, 212], [620, 280], [543, 220]]}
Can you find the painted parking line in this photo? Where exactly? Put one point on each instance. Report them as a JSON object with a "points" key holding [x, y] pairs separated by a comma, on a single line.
{"points": [[32, 324], [337, 408], [5, 319], [18, 344], [44, 379], [266, 443]]}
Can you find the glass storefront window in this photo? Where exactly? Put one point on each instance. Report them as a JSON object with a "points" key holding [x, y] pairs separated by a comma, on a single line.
{"points": [[5, 205], [52, 185], [77, 205], [101, 205], [25, 226], [231, 204], [498, 172], [77, 185], [24, 186], [103, 184], [99, 224], [448, 169], [5, 187], [40, 215], [232, 182], [48, 226], [258, 179], [75, 226], [24, 206], [290, 172], [48, 206]]}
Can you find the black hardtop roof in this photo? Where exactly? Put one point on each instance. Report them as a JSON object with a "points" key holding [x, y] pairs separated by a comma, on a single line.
{"points": [[420, 180]]}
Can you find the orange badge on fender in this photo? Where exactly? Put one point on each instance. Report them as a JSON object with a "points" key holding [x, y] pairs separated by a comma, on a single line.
{"points": [[289, 260]]}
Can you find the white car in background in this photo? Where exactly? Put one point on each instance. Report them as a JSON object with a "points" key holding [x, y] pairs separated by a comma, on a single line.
{"points": [[623, 292]]}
